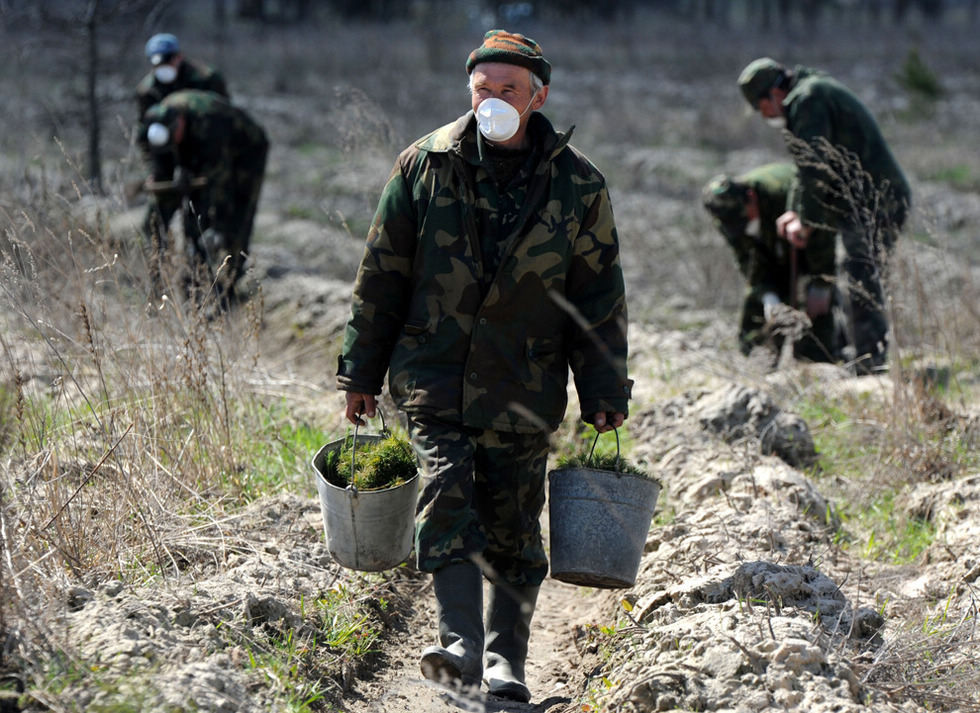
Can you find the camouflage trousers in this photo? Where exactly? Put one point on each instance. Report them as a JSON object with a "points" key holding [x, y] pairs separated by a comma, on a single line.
{"points": [[482, 496], [235, 212], [160, 211], [863, 271]]}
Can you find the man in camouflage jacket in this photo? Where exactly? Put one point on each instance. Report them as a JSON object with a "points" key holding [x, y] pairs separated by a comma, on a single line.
{"points": [[201, 138], [163, 50], [745, 209], [849, 182], [491, 267], [171, 72]]}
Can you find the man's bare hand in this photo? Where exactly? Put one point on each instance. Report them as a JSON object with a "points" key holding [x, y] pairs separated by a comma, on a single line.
{"points": [[360, 405], [789, 226], [605, 422]]}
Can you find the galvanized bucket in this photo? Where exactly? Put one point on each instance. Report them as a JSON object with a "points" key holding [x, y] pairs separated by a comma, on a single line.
{"points": [[366, 530], [599, 524]]}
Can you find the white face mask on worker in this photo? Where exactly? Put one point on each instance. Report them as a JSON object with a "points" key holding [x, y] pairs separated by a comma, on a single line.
{"points": [[498, 120], [165, 73], [776, 122], [157, 135], [753, 227]]}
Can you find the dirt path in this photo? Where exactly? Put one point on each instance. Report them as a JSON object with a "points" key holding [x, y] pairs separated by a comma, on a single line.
{"points": [[556, 669]]}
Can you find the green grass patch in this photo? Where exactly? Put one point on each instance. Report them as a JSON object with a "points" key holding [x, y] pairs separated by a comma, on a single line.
{"points": [[278, 454], [918, 79], [347, 627], [840, 439], [958, 175], [33, 421], [873, 449], [310, 148], [892, 536], [296, 211], [285, 660], [338, 632], [64, 675]]}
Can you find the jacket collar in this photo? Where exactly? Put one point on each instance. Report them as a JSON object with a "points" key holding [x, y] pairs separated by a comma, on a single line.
{"points": [[801, 73], [461, 137]]}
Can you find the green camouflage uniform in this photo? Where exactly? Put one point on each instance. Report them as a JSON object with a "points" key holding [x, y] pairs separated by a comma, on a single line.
{"points": [[865, 201], [476, 299], [765, 260], [190, 75], [160, 208], [223, 144]]}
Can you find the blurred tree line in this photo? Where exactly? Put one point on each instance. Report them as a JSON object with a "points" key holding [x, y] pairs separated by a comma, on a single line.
{"points": [[74, 27], [768, 12], [720, 11]]}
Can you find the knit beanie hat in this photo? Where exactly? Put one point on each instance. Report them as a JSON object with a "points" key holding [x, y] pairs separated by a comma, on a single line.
{"points": [[510, 48], [759, 77], [161, 46], [725, 199]]}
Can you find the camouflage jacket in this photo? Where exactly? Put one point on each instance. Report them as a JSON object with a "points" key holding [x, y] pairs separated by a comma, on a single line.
{"points": [[190, 75], [819, 107], [221, 142], [490, 350], [764, 259]]}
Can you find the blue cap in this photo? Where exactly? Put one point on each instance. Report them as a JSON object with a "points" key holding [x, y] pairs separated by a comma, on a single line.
{"points": [[160, 46]]}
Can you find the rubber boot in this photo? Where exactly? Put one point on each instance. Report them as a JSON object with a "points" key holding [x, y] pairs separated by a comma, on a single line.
{"points": [[508, 630], [459, 606]]}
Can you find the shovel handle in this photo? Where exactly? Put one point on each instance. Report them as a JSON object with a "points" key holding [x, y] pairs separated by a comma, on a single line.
{"points": [[793, 275], [162, 186]]}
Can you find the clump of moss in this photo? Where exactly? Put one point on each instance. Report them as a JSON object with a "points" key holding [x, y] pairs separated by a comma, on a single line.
{"points": [[378, 464], [599, 461]]}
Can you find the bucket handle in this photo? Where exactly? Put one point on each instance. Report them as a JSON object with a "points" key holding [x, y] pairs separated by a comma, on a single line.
{"points": [[590, 461], [353, 449]]}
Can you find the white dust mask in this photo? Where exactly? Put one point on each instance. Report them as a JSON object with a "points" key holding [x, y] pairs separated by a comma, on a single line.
{"points": [[776, 122], [165, 73], [752, 228], [498, 120], [157, 134]]}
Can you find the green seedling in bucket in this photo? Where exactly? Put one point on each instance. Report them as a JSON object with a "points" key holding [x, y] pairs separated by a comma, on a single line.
{"points": [[589, 458], [377, 464], [599, 461]]}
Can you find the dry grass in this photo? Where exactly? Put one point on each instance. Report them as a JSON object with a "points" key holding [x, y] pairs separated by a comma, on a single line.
{"points": [[131, 425], [933, 665]]}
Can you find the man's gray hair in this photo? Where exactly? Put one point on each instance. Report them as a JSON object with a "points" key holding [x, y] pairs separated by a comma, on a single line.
{"points": [[536, 83]]}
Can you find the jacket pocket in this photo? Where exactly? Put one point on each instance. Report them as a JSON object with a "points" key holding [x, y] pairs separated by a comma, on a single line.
{"points": [[402, 374], [544, 363]]}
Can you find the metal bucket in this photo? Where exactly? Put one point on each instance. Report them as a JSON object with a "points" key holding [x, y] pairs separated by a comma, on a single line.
{"points": [[366, 530], [599, 525]]}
